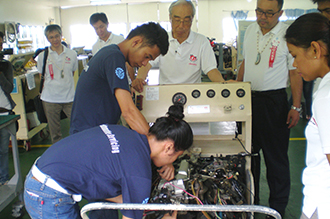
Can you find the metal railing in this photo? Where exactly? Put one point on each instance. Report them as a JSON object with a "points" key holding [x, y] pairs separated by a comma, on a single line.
{"points": [[180, 207]]}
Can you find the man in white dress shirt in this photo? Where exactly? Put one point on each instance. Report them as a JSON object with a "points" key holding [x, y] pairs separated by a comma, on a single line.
{"points": [[267, 64], [100, 23]]}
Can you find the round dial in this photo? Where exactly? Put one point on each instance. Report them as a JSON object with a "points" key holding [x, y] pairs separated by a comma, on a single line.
{"points": [[240, 92], [179, 98], [196, 94], [225, 93], [210, 93]]}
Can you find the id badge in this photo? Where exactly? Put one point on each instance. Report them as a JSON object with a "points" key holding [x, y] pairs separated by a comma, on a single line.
{"points": [[51, 72]]}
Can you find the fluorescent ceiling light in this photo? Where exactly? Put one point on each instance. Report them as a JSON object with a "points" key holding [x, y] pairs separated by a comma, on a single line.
{"points": [[104, 2]]}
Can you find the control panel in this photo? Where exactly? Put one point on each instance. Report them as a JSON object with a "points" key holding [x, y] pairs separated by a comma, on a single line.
{"points": [[204, 102], [207, 107]]}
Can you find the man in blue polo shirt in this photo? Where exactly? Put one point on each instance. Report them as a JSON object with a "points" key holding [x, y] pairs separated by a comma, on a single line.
{"points": [[103, 93]]}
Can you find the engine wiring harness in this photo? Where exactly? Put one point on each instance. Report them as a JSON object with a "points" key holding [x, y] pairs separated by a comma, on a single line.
{"points": [[219, 180]]}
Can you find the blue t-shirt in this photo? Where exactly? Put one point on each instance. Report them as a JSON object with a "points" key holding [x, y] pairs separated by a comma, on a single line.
{"points": [[95, 102], [102, 162]]}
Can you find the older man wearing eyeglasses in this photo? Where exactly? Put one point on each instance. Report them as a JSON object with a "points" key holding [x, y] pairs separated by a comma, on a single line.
{"points": [[267, 64], [189, 53]]}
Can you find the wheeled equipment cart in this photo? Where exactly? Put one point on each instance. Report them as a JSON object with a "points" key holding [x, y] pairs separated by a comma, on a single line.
{"points": [[216, 172]]}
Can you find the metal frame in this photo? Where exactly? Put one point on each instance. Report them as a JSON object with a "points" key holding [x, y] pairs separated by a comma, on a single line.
{"points": [[15, 185], [188, 207]]}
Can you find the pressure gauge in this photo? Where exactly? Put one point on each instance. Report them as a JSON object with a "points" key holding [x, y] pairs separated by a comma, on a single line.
{"points": [[225, 93], [196, 93], [210, 93], [240, 92], [179, 98]]}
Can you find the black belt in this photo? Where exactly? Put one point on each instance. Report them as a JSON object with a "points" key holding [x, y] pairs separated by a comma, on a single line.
{"points": [[268, 92], [4, 110]]}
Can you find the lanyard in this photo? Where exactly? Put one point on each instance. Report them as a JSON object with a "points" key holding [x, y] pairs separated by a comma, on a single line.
{"points": [[50, 66]]}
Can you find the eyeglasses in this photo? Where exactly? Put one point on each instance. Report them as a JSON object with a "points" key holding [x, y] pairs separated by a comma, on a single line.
{"points": [[267, 14], [185, 21], [326, 10]]}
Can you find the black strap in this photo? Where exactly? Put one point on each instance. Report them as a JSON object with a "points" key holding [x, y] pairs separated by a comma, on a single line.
{"points": [[43, 70]]}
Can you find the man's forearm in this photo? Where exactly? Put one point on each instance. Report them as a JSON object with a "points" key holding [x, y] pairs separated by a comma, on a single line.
{"points": [[215, 76], [240, 74], [296, 88]]}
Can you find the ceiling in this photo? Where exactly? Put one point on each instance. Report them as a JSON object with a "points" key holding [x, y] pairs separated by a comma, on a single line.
{"points": [[77, 3]]}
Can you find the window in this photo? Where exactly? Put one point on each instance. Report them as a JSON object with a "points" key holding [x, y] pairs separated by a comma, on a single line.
{"points": [[166, 25], [84, 34], [135, 24], [229, 30], [119, 29], [34, 34]]}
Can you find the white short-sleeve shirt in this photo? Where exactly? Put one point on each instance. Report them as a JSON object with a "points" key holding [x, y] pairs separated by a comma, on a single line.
{"points": [[58, 86], [185, 62], [4, 102], [316, 176], [269, 74], [113, 39]]}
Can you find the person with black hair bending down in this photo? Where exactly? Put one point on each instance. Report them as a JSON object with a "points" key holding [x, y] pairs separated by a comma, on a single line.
{"points": [[308, 40], [113, 163]]}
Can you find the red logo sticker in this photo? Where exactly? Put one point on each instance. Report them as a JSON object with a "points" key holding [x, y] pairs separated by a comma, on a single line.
{"points": [[193, 58]]}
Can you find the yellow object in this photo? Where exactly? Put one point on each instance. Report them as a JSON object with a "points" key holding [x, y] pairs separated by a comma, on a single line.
{"points": [[30, 64]]}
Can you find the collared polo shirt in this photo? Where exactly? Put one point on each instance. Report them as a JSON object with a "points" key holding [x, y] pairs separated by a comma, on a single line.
{"points": [[267, 75], [58, 89], [185, 62], [113, 39], [102, 162], [95, 102]]}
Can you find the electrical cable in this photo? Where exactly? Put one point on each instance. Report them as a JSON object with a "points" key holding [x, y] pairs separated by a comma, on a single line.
{"points": [[248, 153], [183, 191], [193, 191]]}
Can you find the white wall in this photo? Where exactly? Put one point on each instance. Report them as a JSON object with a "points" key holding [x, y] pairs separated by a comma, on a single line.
{"points": [[122, 13], [210, 13], [26, 13]]}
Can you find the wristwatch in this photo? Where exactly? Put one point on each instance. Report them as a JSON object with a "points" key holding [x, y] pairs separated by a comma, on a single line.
{"points": [[296, 108]]}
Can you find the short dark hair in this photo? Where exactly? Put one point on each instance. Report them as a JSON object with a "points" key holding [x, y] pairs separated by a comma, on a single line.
{"points": [[1, 35], [308, 28], [52, 27], [279, 2], [173, 127], [153, 34], [317, 1], [98, 17]]}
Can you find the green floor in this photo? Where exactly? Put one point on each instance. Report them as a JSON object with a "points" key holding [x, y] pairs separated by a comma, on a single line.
{"points": [[296, 154]]}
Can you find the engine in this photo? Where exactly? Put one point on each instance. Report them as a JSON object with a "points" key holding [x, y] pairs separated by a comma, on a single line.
{"points": [[204, 181]]}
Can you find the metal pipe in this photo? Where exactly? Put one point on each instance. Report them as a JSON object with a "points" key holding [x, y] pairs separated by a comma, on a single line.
{"points": [[180, 207]]}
